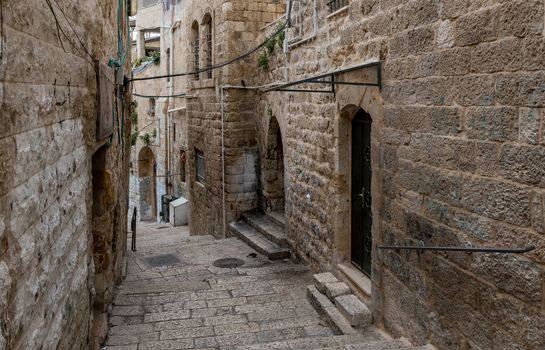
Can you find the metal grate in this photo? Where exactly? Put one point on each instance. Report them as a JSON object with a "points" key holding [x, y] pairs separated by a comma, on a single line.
{"points": [[199, 160], [162, 260], [209, 54], [228, 263], [335, 5]]}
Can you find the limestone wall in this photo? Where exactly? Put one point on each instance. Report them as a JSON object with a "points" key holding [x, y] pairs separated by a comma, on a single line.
{"points": [[457, 154], [63, 195]]}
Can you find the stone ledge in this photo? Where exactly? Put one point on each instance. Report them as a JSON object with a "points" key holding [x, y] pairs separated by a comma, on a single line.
{"points": [[360, 283]]}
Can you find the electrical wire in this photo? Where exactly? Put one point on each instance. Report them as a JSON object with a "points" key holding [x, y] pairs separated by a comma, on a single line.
{"points": [[60, 30], [74, 31], [223, 64]]}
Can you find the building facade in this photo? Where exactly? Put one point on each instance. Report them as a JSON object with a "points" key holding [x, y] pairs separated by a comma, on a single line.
{"points": [[415, 123], [158, 155], [63, 173]]}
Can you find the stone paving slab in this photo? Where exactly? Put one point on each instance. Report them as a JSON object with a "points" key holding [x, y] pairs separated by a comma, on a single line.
{"points": [[260, 305]]}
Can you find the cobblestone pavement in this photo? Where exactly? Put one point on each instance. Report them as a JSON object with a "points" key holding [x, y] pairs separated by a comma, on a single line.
{"points": [[194, 305]]}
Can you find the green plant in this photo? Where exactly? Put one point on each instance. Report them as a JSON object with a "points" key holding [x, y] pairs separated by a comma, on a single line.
{"points": [[280, 37], [263, 61], [146, 139], [154, 133], [134, 138], [270, 44], [155, 57], [134, 118], [138, 62]]}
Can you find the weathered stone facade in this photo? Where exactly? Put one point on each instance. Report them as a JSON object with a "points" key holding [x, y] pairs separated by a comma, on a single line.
{"points": [[161, 118], [456, 149], [63, 194], [456, 154]]}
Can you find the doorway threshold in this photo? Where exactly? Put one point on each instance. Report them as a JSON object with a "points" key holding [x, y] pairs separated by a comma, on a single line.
{"points": [[358, 281]]}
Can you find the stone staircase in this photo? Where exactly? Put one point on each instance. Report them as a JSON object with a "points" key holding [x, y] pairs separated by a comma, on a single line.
{"points": [[347, 316], [263, 232]]}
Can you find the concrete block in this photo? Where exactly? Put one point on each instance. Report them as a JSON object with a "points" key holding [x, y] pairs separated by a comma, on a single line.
{"points": [[335, 289], [356, 312], [322, 278]]}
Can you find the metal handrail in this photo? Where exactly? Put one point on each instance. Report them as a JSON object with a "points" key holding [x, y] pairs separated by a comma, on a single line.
{"points": [[463, 249]]}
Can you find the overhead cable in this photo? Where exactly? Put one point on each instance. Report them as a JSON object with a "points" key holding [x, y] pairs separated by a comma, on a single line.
{"points": [[223, 64]]}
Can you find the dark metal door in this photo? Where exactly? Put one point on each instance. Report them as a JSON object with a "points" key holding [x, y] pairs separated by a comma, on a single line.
{"points": [[362, 217]]}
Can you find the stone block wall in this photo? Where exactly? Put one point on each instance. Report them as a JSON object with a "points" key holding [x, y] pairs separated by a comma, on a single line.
{"points": [[63, 196], [236, 27], [457, 153]]}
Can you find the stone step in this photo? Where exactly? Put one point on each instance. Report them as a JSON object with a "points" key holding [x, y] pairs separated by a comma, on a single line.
{"points": [[329, 312], [278, 217], [356, 312], [258, 242], [272, 231]]}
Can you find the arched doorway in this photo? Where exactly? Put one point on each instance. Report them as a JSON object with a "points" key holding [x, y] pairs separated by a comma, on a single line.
{"points": [[273, 169], [361, 173], [147, 184]]}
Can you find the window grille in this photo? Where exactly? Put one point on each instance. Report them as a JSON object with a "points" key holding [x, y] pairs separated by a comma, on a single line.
{"points": [[199, 163], [182, 165], [196, 57], [335, 5], [168, 64], [151, 108], [209, 53]]}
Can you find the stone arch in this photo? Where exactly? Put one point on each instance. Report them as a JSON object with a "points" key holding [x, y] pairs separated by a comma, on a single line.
{"points": [[273, 168], [147, 178]]}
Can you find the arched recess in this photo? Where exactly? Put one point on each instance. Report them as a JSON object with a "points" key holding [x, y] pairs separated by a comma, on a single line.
{"points": [[358, 187], [273, 169], [195, 49], [207, 50], [147, 184]]}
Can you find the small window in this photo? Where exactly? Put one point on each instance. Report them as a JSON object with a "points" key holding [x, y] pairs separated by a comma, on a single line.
{"points": [[151, 108], [182, 165], [168, 64], [208, 39], [199, 163], [335, 5], [195, 51], [173, 131]]}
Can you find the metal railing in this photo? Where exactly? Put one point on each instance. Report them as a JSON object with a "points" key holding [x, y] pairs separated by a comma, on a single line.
{"points": [[466, 249], [335, 5]]}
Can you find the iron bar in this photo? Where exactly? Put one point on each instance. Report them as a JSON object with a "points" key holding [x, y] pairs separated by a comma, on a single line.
{"points": [[463, 249], [341, 82], [318, 78], [306, 90]]}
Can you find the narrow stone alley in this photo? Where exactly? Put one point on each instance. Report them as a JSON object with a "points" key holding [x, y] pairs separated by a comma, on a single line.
{"points": [[173, 297]]}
